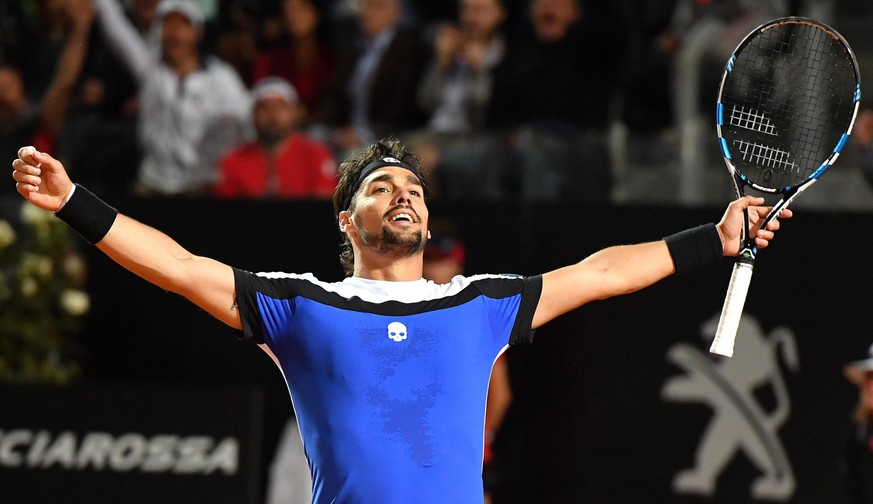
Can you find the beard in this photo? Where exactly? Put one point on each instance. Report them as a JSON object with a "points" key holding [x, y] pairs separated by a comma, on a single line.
{"points": [[271, 137], [394, 244]]}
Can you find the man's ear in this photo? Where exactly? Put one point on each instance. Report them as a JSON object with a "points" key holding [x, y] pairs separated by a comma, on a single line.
{"points": [[428, 234], [345, 220]]}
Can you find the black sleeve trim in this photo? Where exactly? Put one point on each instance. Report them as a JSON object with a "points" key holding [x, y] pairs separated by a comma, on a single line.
{"points": [[245, 297], [522, 333]]}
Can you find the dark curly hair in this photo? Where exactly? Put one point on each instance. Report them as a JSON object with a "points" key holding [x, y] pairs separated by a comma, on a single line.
{"points": [[348, 174]]}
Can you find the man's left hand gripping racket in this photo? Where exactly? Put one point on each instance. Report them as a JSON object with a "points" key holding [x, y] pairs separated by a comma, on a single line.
{"points": [[786, 106]]}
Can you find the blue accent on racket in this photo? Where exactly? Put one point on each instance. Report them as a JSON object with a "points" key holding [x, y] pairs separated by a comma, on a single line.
{"points": [[821, 169], [843, 140]]}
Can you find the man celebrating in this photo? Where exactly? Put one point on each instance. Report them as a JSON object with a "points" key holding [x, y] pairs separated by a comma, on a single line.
{"points": [[192, 109], [388, 372]]}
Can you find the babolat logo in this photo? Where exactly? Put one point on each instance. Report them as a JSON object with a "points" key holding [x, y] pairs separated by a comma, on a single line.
{"points": [[101, 451]]}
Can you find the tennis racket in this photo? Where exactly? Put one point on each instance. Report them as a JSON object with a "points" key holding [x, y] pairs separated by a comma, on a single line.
{"points": [[787, 102]]}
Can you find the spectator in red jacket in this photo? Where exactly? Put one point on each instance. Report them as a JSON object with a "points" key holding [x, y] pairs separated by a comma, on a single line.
{"points": [[281, 162]]}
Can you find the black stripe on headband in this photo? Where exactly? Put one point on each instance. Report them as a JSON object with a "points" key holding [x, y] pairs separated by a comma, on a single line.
{"points": [[370, 168]]}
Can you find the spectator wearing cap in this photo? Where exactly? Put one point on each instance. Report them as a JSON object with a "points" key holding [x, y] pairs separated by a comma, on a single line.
{"points": [[444, 255], [281, 162], [857, 466], [192, 108]]}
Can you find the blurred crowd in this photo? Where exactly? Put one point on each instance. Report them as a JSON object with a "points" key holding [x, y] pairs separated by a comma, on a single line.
{"points": [[261, 98]]}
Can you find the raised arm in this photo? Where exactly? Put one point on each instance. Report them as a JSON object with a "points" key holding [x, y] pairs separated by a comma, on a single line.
{"points": [[141, 249], [121, 35], [627, 268], [55, 102]]}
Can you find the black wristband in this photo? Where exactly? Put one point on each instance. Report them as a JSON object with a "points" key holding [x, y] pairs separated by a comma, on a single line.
{"points": [[88, 215], [695, 248]]}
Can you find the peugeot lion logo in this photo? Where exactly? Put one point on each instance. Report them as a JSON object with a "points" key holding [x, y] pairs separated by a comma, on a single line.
{"points": [[739, 423]]}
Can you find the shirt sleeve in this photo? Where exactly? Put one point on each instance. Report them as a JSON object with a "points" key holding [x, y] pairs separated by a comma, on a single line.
{"points": [[522, 331], [514, 303], [265, 303], [247, 304]]}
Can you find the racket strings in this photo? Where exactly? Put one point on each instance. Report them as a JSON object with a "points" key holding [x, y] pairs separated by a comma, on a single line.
{"points": [[751, 119], [764, 156], [788, 99]]}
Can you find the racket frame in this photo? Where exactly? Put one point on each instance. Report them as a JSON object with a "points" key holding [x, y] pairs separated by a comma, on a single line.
{"points": [[723, 342]]}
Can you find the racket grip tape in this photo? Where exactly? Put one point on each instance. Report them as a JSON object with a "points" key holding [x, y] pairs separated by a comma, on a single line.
{"points": [[735, 299]]}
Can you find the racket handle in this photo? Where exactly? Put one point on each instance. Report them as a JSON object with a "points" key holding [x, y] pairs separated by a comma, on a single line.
{"points": [[723, 343]]}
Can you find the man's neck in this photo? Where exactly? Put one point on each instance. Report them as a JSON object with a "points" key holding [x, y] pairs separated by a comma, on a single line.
{"points": [[389, 269], [185, 66]]}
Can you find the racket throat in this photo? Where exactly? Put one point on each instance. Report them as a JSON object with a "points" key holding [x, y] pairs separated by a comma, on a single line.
{"points": [[748, 249], [747, 254]]}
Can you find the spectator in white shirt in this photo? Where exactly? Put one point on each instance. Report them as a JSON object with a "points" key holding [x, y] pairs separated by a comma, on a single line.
{"points": [[192, 108]]}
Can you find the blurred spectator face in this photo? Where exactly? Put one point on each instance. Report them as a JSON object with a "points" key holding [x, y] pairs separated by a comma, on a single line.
{"points": [[301, 17], [863, 130], [93, 92], [274, 119], [52, 12], [867, 391], [378, 15], [11, 91], [144, 11], [444, 258], [552, 18], [481, 18], [179, 38], [441, 270]]}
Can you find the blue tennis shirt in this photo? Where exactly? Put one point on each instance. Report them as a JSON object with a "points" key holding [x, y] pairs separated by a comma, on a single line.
{"points": [[389, 379]]}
